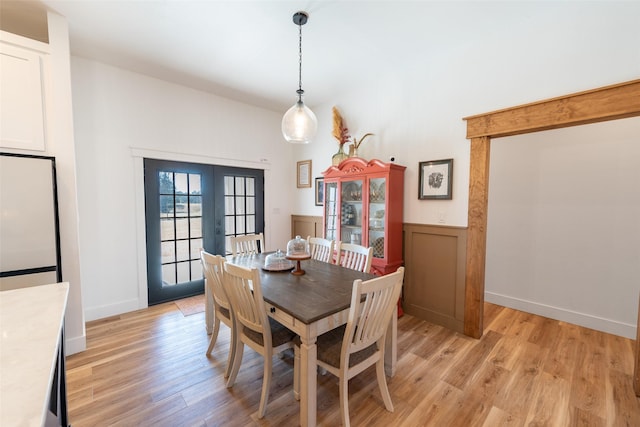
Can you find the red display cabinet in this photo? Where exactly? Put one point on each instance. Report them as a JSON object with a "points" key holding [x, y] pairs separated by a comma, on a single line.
{"points": [[363, 204]]}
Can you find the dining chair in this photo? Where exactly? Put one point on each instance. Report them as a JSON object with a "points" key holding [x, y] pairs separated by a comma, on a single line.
{"points": [[355, 257], [213, 266], [350, 349], [253, 327], [321, 249], [247, 244]]}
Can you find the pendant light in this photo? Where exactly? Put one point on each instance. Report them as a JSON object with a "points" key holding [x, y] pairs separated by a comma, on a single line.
{"points": [[299, 124]]}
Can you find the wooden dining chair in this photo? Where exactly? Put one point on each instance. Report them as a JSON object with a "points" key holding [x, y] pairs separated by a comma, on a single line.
{"points": [[355, 257], [213, 266], [247, 244], [254, 328], [350, 349], [321, 249]]}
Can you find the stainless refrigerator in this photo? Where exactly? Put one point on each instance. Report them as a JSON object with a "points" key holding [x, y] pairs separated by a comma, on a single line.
{"points": [[29, 225]]}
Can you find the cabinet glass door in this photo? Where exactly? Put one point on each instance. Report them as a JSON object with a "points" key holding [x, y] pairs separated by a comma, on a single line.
{"points": [[331, 210], [377, 215], [351, 212]]}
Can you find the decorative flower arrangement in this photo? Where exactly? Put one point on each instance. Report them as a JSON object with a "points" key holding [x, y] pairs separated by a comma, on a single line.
{"points": [[341, 133]]}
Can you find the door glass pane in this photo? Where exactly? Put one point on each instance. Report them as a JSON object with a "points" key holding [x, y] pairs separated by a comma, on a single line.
{"points": [[196, 269], [183, 271], [377, 215], [196, 245], [168, 251], [351, 212], [168, 274], [229, 205], [240, 186], [229, 185], [182, 250], [240, 205], [229, 227], [251, 186], [195, 205], [196, 227], [181, 183], [240, 225], [180, 224], [251, 224], [166, 206], [182, 228], [251, 205], [331, 210], [166, 229], [194, 184]]}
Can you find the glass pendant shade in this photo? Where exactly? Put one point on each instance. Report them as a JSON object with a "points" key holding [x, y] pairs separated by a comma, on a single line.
{"points": [[299, 124]]}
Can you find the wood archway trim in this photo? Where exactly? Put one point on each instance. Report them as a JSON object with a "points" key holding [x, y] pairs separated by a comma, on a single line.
{"points": [[597, 105]]}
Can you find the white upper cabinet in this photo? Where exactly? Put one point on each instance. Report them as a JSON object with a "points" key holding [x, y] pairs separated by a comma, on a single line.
{"points": [[22, 113]]}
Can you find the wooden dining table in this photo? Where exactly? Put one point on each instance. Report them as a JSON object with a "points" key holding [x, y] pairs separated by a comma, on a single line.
{"points": [[310, 305]]}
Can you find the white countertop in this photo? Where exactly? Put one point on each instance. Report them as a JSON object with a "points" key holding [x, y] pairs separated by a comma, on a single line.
{"points": [[30, 324]]}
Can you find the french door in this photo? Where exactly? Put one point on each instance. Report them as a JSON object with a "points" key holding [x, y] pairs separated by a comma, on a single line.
{"points": [[192, 206]]}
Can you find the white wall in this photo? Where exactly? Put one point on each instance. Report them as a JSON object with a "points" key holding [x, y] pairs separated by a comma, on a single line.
{"points": [[563, 231], [417, 113], [120, 115]]}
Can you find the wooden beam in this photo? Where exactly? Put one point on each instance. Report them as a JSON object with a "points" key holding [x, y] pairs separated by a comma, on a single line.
{"points": [[597, 105], [476, 237]]}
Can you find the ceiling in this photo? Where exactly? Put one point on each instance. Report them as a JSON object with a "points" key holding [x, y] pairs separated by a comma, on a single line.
{"points": [[248, 50]]}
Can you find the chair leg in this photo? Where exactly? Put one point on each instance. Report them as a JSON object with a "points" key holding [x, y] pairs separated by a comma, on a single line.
{"points": [[232, 353], [237, 361], [344, 400], [296, 372], [382, 384], [214, 334], [266, 383]]}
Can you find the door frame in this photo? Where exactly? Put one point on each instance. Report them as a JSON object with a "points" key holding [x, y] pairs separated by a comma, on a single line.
{"points": [[597, 105], [138, 155]]}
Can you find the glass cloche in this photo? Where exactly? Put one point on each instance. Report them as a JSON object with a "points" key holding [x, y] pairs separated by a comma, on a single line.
{"points": [[277, 262], [298, 247]]}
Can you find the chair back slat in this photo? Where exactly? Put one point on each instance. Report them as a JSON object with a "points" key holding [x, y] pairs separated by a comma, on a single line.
{"points": [[321, 249], [213, 266], [372, 304], [249, 244], [355, 257], [242, 285]]}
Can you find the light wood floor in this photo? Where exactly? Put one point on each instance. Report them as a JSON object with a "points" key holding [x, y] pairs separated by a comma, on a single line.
{"points": [[148, 368]]}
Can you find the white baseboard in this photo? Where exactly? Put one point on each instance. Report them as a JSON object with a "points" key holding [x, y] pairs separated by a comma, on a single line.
{"points": [[100, 312], [73, 345], [582, 319]]}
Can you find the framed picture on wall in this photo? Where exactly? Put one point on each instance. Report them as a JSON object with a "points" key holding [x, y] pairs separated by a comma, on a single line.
{"points": [[303, 174], [319, 191], [436, 177]]}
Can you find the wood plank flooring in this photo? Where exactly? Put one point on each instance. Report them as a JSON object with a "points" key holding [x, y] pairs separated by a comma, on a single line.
{"points": [[148, 368]]}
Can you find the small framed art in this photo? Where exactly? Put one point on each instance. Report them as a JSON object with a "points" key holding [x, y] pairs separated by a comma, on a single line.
{"points": [[436, 177], [303, 175], [319, 191]]}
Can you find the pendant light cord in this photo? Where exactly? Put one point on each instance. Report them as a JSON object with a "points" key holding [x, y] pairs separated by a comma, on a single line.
{"points": [[300, 91]]}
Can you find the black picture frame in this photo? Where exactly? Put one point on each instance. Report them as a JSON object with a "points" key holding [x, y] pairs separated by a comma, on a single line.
{"points": [[319, 191], [436, 179]]}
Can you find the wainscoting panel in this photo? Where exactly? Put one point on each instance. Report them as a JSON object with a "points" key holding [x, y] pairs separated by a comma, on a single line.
{"points": [[434, 258], [306, 225]]}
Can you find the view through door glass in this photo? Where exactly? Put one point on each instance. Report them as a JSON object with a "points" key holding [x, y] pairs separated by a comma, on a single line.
{"points": [[194, 206]]}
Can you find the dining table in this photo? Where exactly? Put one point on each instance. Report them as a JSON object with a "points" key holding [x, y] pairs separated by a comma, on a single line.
{"points": [[310, 305]]}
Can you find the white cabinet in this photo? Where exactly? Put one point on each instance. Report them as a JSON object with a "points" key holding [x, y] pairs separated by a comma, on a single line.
{"points": [[22, 113]]}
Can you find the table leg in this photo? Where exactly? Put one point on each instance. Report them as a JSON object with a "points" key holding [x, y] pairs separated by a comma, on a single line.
{"points": [[391, 347], [308, 380]]}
